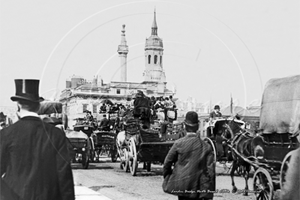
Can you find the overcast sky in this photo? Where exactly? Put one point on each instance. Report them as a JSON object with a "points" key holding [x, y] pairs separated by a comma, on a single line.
{"points": [[212, 49]]}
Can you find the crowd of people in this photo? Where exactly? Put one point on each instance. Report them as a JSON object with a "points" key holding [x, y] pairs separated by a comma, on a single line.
{"points": [[144, 108], [189, 166]]}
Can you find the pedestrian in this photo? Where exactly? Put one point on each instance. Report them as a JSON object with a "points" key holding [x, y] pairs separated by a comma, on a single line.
{"points": [[35, 162], [193, 175]]}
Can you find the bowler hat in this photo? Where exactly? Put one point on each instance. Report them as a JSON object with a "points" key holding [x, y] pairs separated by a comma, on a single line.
{"points": [[217, 107], [27, 89], [191, 118]]}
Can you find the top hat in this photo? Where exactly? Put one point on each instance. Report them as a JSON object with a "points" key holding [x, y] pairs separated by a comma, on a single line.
{"points": [[191, 118], [27, 89]]}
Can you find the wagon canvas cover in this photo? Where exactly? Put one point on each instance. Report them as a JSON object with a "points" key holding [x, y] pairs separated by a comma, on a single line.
{"points": [[280, 112]]}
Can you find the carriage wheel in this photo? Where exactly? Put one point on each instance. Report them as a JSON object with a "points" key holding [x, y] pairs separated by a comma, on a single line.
{"points": [[284, 168], [211, 143], [86, 155], [132, 157], [263, 185], [92, 151]]}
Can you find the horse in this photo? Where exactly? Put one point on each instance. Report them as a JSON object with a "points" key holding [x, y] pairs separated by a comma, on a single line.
{"points": [[130, 129], [245, 148], [222, 132]]}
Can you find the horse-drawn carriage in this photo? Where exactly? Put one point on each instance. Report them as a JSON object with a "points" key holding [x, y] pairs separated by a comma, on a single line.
{"points": [[80, 140], [105, 138], [269, 152], [137, 144], [219, 133]]}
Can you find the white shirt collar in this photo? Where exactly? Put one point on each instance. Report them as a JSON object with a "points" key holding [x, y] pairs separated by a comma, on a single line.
{"points": [[25, 113], [190, 133]]}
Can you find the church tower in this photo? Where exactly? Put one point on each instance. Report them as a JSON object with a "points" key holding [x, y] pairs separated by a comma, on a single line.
{"points": [[154, 57], [123, 51]]}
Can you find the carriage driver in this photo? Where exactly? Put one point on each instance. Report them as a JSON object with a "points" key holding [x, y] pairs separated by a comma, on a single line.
{"points": [[215, 113], [35, 163], [142, 107]]}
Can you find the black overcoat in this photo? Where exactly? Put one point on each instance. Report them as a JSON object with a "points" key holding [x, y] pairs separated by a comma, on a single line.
{"points": [[35, 164]]}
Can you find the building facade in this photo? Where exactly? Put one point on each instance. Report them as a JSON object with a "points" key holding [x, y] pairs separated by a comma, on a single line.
{"points": [[80, 94]]}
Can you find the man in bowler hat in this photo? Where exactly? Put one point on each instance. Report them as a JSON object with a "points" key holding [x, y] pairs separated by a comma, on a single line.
{"points": [[215, 113], [35, 163], [193, 175]]}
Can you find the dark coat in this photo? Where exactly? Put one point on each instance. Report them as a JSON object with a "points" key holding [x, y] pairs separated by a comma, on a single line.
{"points": [[35, 162], [141, 102], [194, 168], [104, 123], [214, 114]]}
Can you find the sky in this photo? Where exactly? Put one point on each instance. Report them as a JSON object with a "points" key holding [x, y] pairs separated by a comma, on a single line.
{"points": [[213, 49]]}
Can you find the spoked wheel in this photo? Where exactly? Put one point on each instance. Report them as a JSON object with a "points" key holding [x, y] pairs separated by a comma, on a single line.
{"points": [[132, 155], [263, 185], [211, 143], [86, 155], [284, 168], [92, 151]]}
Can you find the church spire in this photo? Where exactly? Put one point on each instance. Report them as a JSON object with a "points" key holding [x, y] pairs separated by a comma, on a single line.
{"points": [[154, 25]]}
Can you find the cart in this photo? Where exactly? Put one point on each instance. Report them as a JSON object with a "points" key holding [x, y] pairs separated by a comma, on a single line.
{"points": [[105, 141], [145, 145], [80, 146], [279, 124], [88, 128]]}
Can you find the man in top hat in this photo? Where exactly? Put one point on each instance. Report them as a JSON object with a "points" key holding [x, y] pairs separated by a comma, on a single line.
{"points": [[194, 168], [35, 163]]}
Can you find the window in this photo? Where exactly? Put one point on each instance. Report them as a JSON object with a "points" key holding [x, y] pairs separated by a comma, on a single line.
{"points": [[160, 59], [118, 91], [94, 108], [84, 107], [149, 59], [155, 59]]}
